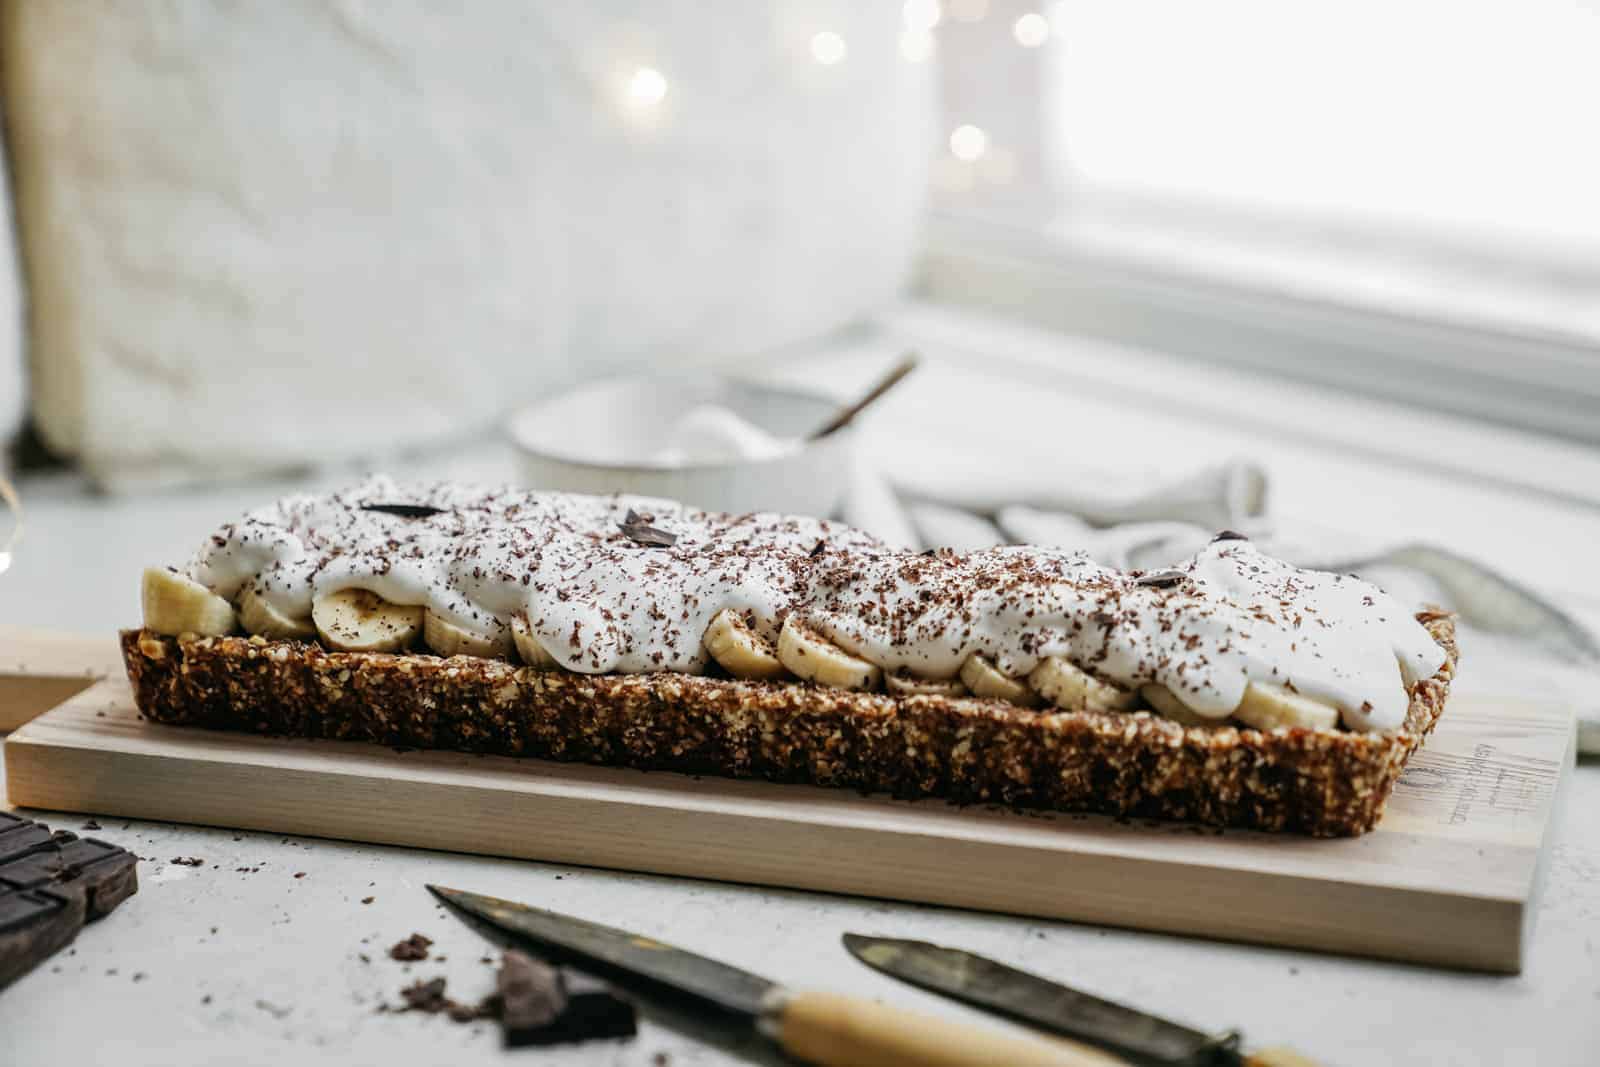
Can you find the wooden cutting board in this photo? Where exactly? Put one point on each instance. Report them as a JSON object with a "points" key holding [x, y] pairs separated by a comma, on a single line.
{"points": [[1449, 877]]}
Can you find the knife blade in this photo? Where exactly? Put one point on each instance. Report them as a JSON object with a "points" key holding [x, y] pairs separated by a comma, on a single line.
{"points": [[997, 987], [710, 981], [828, 1029]]}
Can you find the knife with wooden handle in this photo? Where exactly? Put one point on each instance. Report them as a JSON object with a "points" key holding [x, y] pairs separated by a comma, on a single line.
{"points": [[1029, 998], [827, 1029]]}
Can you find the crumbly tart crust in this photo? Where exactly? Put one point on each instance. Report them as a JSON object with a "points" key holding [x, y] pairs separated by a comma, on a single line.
{"points": [[1326, 783]]}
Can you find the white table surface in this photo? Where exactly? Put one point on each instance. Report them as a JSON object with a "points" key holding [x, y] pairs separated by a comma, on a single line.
{"points": [[213, 965]]}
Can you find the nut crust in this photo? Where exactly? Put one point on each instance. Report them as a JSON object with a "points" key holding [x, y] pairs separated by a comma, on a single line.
{"points": [[1325, 783]]}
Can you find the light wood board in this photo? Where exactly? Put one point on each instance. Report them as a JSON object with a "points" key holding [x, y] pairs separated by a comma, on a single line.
{"points": [[1448, 878], [39, 669]]}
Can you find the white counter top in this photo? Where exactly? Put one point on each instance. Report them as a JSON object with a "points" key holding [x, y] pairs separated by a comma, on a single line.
{"points": [[214, 964]]}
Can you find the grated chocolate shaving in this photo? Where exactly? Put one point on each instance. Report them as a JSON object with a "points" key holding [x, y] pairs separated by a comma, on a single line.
{"points": [[405, 511], [637, 529], [1161, 579]]}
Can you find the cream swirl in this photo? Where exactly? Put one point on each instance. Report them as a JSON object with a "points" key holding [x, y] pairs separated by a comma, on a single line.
{"points": [[599, 601]]}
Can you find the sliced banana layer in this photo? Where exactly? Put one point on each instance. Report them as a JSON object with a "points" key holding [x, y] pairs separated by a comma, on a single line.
{"points": [[811, 656], [741, 651], [984, 679], [445, 638], [258, 616], [909, 685], [354, 620], [1267, 707], [1069, 686], [1169, 706], [528, 646], [177, 604]]}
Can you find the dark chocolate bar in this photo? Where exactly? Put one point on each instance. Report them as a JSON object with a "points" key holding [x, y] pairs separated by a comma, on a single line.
{"points": [[50, 885]]}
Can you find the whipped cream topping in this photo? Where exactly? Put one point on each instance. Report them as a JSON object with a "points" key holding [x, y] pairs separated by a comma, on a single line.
{"points": [[599, 601]]}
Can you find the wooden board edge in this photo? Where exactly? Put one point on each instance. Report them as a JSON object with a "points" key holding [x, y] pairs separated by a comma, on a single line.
{"points": [[1541, 869], [1390, 923], [40, 669], [24, 699]]}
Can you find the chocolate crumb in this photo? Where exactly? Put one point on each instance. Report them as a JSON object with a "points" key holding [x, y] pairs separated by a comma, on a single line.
{"points": [[91, 825], [429, 996], [425, 996], [1161, 579], [414, 947], [368, 900], [189, 861], [1229, 535], [299, 874]]}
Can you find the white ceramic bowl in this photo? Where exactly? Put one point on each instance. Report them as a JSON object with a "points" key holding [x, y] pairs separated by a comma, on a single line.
{"points": [[601, 437]]}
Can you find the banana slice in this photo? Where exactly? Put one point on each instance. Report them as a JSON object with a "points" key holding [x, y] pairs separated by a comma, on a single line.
{"points": [[1068, 686], [1169, 706], [355, 620], [742, 652], [528, 646], [177, 604], [447, 639], [260, 617], [1267, 707], [910, 685], [810, 656], [984, 679]]}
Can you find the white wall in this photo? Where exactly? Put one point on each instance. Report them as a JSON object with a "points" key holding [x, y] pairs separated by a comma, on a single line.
{"points": [[272, 235]]}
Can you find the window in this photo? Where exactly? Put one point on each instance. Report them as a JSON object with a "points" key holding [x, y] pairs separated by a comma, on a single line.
{"points": [[1416, 181]]}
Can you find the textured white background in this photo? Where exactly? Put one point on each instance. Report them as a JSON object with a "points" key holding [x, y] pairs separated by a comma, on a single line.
{"points": [[280, 234]]}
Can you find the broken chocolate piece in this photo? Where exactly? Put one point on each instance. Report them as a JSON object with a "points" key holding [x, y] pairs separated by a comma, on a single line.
{"points": [[531, 996], [1229, 535], [540, 1005], [1161, 579], [50, 885], [594, 1009], [404, 511]]}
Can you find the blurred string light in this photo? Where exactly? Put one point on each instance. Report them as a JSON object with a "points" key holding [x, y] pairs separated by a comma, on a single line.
{"points": [[1031, 30], [916, 45], [921, 15], [647, 87], [968, 143], [828, 48], [967, 10]]}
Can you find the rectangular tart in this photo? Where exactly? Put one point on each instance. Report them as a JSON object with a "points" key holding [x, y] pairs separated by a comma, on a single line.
{"points": [[967, 750]]}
